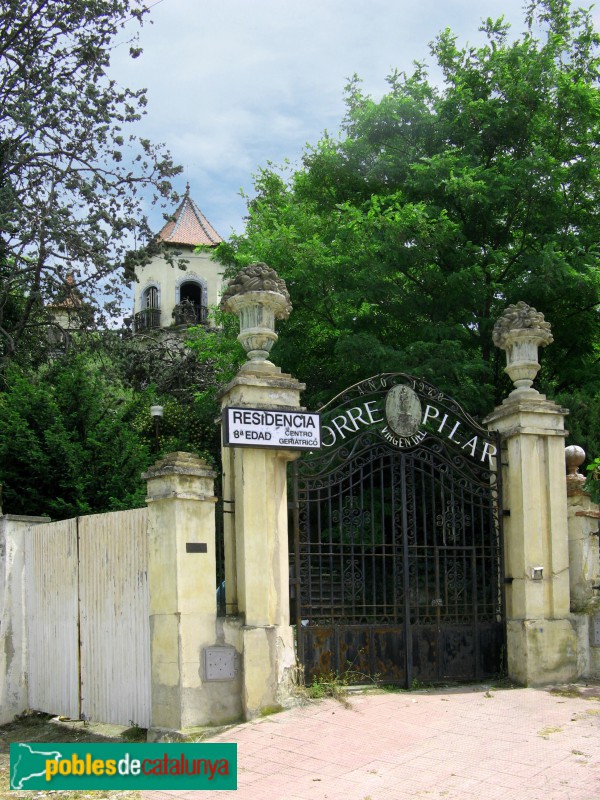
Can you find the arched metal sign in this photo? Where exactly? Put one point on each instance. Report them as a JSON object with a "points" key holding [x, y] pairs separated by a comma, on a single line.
{"points": [[403, 411], [397, 558]]}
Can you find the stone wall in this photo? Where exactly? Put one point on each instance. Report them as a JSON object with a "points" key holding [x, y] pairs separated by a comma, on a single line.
{"points": [[584, 566]]}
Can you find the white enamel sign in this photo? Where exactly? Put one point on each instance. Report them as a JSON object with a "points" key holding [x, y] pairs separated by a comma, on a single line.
{"points": [[258, 427]]}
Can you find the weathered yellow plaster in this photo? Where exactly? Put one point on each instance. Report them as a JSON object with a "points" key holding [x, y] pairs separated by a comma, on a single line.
{"points": [[541, 637], [183, 620], [256, 542]]}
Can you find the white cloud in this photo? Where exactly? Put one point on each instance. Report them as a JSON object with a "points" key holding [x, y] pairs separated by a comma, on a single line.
{"points": [[233, 84]]}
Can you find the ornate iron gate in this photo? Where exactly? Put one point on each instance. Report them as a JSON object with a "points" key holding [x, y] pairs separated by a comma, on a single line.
{"points": [[397, 562]]}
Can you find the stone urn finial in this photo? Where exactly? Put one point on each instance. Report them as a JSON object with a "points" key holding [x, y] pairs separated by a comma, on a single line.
{"points": [[520, 331], [574, 458], [258, 296]]}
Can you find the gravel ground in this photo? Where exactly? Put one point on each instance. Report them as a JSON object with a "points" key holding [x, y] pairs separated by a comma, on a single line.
{"points": [[36, 727]]}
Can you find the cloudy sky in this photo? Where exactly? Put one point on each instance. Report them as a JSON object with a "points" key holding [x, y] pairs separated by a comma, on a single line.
{"points": [[234, 84]]}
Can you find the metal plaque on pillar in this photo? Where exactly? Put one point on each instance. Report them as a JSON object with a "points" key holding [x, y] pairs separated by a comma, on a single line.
{"points": [[220, 663]]}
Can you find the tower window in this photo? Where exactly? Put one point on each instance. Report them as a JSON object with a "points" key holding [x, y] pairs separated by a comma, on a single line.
{"points": [[151, 297], [149, 315], [190, 292], [190, 310]]}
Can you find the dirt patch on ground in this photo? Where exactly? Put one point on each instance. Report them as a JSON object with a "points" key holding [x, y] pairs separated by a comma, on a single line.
{"points": [[586, 691], [43, 728]]}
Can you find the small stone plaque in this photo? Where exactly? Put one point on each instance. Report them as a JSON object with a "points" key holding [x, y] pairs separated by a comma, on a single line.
{"points": [[220, 663], [595, 631], [196, 547]]}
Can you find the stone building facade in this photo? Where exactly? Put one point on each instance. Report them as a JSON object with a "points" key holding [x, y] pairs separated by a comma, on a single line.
{"points": [[179, 285]]}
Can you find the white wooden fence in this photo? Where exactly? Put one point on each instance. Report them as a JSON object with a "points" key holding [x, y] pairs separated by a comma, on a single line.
{"points": [[86, 599]]}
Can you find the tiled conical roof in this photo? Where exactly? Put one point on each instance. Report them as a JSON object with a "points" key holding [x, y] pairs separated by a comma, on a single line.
{"points": [[189, 226], [68, 296]]}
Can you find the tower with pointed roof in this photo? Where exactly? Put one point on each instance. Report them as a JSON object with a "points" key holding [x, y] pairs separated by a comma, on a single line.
{"points": [[167, 296]]}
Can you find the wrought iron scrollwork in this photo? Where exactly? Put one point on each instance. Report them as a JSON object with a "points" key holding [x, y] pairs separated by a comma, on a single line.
{"points": [[398, 542]]}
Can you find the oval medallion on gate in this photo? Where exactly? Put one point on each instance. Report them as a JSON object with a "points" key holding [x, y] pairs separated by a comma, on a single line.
{"points": [[403, 410]]}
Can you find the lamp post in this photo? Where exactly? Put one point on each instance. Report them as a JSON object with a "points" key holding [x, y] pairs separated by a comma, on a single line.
{"points": [[156, 412]]}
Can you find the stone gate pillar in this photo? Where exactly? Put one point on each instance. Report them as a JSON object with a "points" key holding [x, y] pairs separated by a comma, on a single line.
{"points": [[541, 637], [255, 495], [584, 564], [183, 607], [584, 561]]}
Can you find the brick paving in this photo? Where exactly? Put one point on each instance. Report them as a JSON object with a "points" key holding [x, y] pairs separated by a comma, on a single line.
{"points": [[457, 744]]}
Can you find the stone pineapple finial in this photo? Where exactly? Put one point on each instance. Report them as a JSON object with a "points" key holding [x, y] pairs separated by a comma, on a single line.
{"points": [[258, 296], [520, 331]]}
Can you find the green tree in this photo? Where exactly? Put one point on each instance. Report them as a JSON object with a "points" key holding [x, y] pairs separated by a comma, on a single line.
{"points": [[71, 173], [221, 355], [68, 441], [76, 433], [402, 241], [181, 372]]}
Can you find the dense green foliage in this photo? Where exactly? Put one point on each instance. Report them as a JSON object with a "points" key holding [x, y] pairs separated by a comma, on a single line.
{"points": [[403, 241], [184, 376], [67, 445], [71, 173], [592, 482], [222, 355], [76, 433]]}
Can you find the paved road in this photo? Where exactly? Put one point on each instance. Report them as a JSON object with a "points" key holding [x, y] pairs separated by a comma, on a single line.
{"points": [[458, 744]]}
